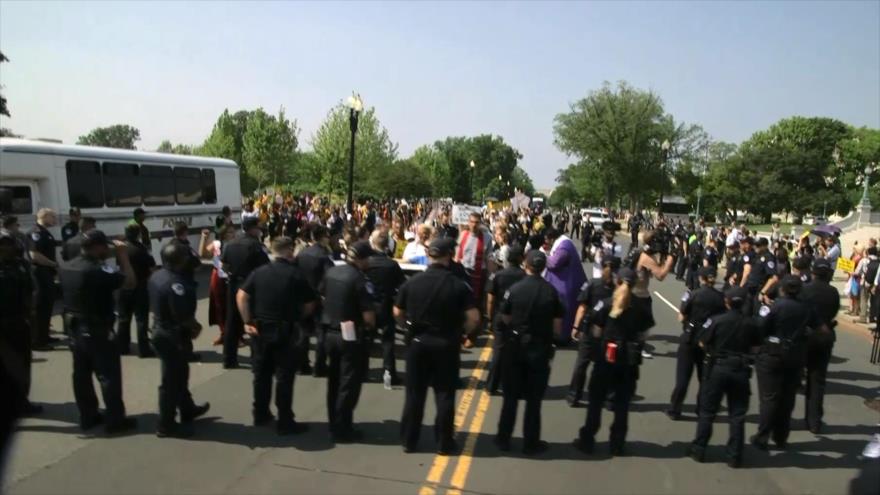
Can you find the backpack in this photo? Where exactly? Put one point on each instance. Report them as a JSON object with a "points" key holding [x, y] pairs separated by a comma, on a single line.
{"points": [[871, 271]]}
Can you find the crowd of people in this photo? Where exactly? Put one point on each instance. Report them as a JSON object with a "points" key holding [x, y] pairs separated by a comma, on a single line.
{"points": [[298, 268]]}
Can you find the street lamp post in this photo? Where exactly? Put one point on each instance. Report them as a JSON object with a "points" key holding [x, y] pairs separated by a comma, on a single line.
{"points": [[865, 201], [355, 106], [700, 188], [665, 148]]}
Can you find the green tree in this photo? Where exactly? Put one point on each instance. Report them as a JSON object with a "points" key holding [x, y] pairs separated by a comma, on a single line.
{"points": [[433, 163], [269, 147], [175, 149], [115, 136], [374, 152], [404, 179], [4, 110]]}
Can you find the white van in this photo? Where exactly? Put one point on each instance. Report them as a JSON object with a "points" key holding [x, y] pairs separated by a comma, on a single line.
{"points": [[108, 184]]}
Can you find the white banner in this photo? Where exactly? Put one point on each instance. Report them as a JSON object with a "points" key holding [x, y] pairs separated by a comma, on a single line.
{"points": [[460, 213]]}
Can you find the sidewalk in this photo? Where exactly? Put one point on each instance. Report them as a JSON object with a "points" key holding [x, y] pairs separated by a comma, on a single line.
{"points": [[843, 318]]}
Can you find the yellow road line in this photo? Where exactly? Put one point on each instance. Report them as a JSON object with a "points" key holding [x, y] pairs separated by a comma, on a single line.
{"points": [[441, 462], [459, 476]]}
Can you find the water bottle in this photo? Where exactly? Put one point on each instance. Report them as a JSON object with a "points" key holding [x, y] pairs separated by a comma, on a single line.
{"points": [[386, 380]]}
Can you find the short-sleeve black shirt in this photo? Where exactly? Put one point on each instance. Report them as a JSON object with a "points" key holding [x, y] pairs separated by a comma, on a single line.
{"points": [[172, 298], [730, 332], [69, 230], [314, 261], [437, 299], [627, 327], [823, 298], [142, 262], [500, 282], [347, 295], [42, 241], [278, 291], [15, 290], [243, 255], [788, 318], [699, 305], [88, 287], [533, 304]]}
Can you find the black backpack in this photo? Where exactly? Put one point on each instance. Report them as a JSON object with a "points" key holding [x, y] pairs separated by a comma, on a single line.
{"points": [[871, 272]]}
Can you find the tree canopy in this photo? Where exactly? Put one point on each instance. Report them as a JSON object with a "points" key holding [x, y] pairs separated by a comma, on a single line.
{"points": [[121, 136]]}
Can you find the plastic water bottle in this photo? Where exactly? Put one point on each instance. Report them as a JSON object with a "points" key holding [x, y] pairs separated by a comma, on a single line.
{"points": [[386, 380]]}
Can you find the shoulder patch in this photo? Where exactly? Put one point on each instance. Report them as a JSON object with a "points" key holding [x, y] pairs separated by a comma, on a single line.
{"points": [[685, 296], [109, 269], [370, 288], [708, 323], [746, 258], [491, 277], [35, 236], [599, 305], [584, 286], [764, 311], [506, 295], [771, 265], [178, 289]]}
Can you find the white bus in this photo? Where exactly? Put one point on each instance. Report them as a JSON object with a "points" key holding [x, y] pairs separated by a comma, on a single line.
{"points": [[108, 184], [675, 209]]}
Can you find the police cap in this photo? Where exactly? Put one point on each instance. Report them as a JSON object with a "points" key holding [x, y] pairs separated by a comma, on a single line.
{"points": [[821, 265], [138, 211], [515, 254], [441, 247], [6, 236], [174, 255], [612, 261], [93, 238], [360, 250], [792, 285], [747, 240], [536, 260], [249, 223], [762, 242], [708, 272], [801, 263], [736, 294]]}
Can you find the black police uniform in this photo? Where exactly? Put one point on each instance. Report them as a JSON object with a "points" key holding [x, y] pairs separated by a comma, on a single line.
{"points": [[15, 334], [498, 284], [278, 291], [387, 277], [136, 302], [694, 262], [69, 231], [591, 293], [42, 241], [347, 295], [615, 371], [435, 303], [763, 267], [448, 231], [173, 301], [710, 256], [825, 301], [696, 307], [193, 261], [240, 257], [88, 287], [733, 270], [727, 339], [314, 261], [779, 365], [532, 304]]}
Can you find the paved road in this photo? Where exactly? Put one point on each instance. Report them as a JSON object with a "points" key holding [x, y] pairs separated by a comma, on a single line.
{"points": [[51, 455]]}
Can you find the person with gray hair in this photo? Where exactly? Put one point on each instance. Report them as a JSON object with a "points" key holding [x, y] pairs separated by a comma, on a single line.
{"points": [[41, 244]]}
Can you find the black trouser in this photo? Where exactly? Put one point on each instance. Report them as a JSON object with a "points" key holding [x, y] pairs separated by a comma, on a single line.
{"points": [[634, 238], [274, 355], [389, 363], [431, 361], [44, 300], [692, 280], [732, 381], [344, 380], [680, 266], [619, 379], [818, 357], [494, 379], [526, 373], [15, 338], [751, 305], [688, 357], [575, 230], [581, 364], [312, 327], [778, 381], [96, 354], [173, 350], [134, 302], [234, 326]]}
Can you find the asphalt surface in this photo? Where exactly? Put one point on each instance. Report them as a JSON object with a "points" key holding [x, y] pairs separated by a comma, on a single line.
{"points": [[228, 455]]}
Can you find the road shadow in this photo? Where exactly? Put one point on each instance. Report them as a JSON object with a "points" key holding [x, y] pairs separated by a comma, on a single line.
{"points": [[852, 375], [839, 388]]}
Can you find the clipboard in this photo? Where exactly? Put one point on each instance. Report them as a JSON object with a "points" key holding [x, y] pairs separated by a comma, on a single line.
{"points": [[348, 331]]}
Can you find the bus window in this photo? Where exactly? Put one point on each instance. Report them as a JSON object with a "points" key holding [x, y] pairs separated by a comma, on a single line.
{"points": [[188, 185], [16, 200], [209, 186], [122, 185], [157, 184], [84, 184]]}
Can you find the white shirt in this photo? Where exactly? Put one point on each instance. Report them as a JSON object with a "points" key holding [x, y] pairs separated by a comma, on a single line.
{"points": [[733, 238], [415, 253], [612, 248]]}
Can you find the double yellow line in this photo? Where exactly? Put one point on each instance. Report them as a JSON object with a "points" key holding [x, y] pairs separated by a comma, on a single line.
{"points": [[433, 482]]}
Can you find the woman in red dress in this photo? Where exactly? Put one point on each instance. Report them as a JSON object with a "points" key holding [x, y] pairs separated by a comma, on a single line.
{"points": [[217, 288]]}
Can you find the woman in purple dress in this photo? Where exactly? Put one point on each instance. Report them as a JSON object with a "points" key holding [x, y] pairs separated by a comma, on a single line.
{"points": [[566, 273]]}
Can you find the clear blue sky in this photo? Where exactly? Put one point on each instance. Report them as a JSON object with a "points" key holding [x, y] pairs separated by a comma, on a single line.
{"points": [[433, 69]]}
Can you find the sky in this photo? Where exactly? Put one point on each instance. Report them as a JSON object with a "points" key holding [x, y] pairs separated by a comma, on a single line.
{"points": [[433, 70]]}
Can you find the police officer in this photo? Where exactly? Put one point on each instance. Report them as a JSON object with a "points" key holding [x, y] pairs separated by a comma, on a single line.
{"points": [[499, 283], [240, 257], [620, 327], [139, 216], [727, 340], [15, 333], [696, 308], [592, 292], [710, 254], [825, 300], [695, 261], [759, 273], [135, 302], [172, 295], [71, 228], [314, 261], [437, 308], [181, 236], [41, 244], [609, 248], [780, 362], [88, 285], [387, 277], [734, 267], [72, 246], [532, 313], [272, 302], [347, 316]]}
